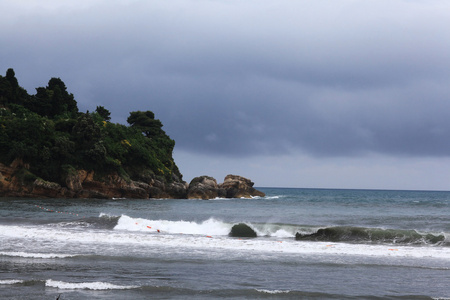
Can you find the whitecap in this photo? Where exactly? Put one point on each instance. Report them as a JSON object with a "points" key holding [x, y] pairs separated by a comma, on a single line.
{"points": [[10, 281], [106, 215], [207, 227], [272, 197], [272, 291], [87, 285], [37, 255]]}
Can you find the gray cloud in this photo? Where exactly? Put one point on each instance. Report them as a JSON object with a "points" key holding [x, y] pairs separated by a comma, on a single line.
{"points": [[240, 78]]}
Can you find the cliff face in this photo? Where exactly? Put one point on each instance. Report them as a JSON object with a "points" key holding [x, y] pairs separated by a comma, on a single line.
{"points": [[81, 184], [16, 182]]}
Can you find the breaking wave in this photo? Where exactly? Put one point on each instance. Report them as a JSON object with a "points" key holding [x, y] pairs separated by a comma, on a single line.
{"points": [[307, 233], [373, 235], [208, 227], [10, 282], [86, 285], [36, 255], [103, 221]]}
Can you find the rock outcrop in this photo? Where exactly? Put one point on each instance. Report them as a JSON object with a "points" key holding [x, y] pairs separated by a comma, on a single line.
{"points": [[242, 230], [204, 187], [17, 181], [239, 187], [234, 186]]}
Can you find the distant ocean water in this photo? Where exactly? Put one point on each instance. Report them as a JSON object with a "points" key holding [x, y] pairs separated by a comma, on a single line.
{"points": [[352, 244]]}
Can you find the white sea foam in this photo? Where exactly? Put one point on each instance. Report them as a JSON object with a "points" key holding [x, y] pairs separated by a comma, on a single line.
{"points": [[11, 281], [106, 215], [203, 236], [37, 255], [208, 227], [86, 285], [272, 197], [220, 198], [272, 291], [281, 233]]}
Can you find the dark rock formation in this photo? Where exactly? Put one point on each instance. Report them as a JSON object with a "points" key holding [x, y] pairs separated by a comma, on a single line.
{"points": [[177, 190], [239, 187], [242, 230], [17, 181], [203, 187], [234, 186]]}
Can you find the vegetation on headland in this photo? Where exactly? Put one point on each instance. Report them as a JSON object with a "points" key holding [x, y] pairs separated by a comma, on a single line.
{"points": [[48, 133]]}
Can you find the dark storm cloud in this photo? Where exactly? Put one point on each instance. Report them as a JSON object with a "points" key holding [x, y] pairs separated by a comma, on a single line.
{"points": [[257, 77]]}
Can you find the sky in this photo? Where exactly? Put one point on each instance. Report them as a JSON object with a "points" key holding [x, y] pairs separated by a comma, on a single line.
{"points": [[288, 93]]}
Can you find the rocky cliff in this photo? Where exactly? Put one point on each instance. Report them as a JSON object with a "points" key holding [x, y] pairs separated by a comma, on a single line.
{"points": [[16, 181], [48, 148]]}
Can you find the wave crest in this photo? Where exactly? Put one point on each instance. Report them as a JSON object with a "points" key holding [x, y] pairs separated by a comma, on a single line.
{"points": [[10, 282], [208, 227], [36, 255], [374, 235], [86, 285]]}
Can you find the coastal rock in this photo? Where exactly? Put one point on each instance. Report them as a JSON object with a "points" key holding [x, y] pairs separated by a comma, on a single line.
{"points": [[17, 181], [203, 187], [49, 189], [113, 186], [5, 177], [177, 190], [234, 186], [74, 182], [239, 187], [242, 230], [157, 193]]}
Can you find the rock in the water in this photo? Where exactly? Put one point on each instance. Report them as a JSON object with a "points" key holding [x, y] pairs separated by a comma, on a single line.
{"points": [[203, 187], [234, 186], [239, 187], [242, 230]]}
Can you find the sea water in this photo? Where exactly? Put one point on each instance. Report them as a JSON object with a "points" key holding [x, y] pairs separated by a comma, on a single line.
{"points": [[310, 244]]}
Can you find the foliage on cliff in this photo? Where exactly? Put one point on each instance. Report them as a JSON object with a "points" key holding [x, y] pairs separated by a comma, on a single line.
{"points": [[48, 133]]}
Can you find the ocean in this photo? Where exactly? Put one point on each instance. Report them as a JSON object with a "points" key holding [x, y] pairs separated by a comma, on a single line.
{"points": [[310, 244]]}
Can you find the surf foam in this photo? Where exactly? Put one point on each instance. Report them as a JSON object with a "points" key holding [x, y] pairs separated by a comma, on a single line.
{"points": [[208, 227], [10, 282], [272, 291], [86, 285], [36, 255], [143, 242]]}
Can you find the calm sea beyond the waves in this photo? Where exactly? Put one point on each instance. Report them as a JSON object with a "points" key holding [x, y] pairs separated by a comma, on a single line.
{"points": [[310, 244]]}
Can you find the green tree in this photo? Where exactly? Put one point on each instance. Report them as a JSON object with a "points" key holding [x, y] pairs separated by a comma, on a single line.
{"points": [[62, 101], [48, 133], [10, 91], [11, 77], [104, 113], [86, 134], [53, 100], [145, 121], [41, 103]]}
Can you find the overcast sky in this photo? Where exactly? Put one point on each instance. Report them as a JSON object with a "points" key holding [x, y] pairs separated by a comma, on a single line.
{"points": [[320, 94]]}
